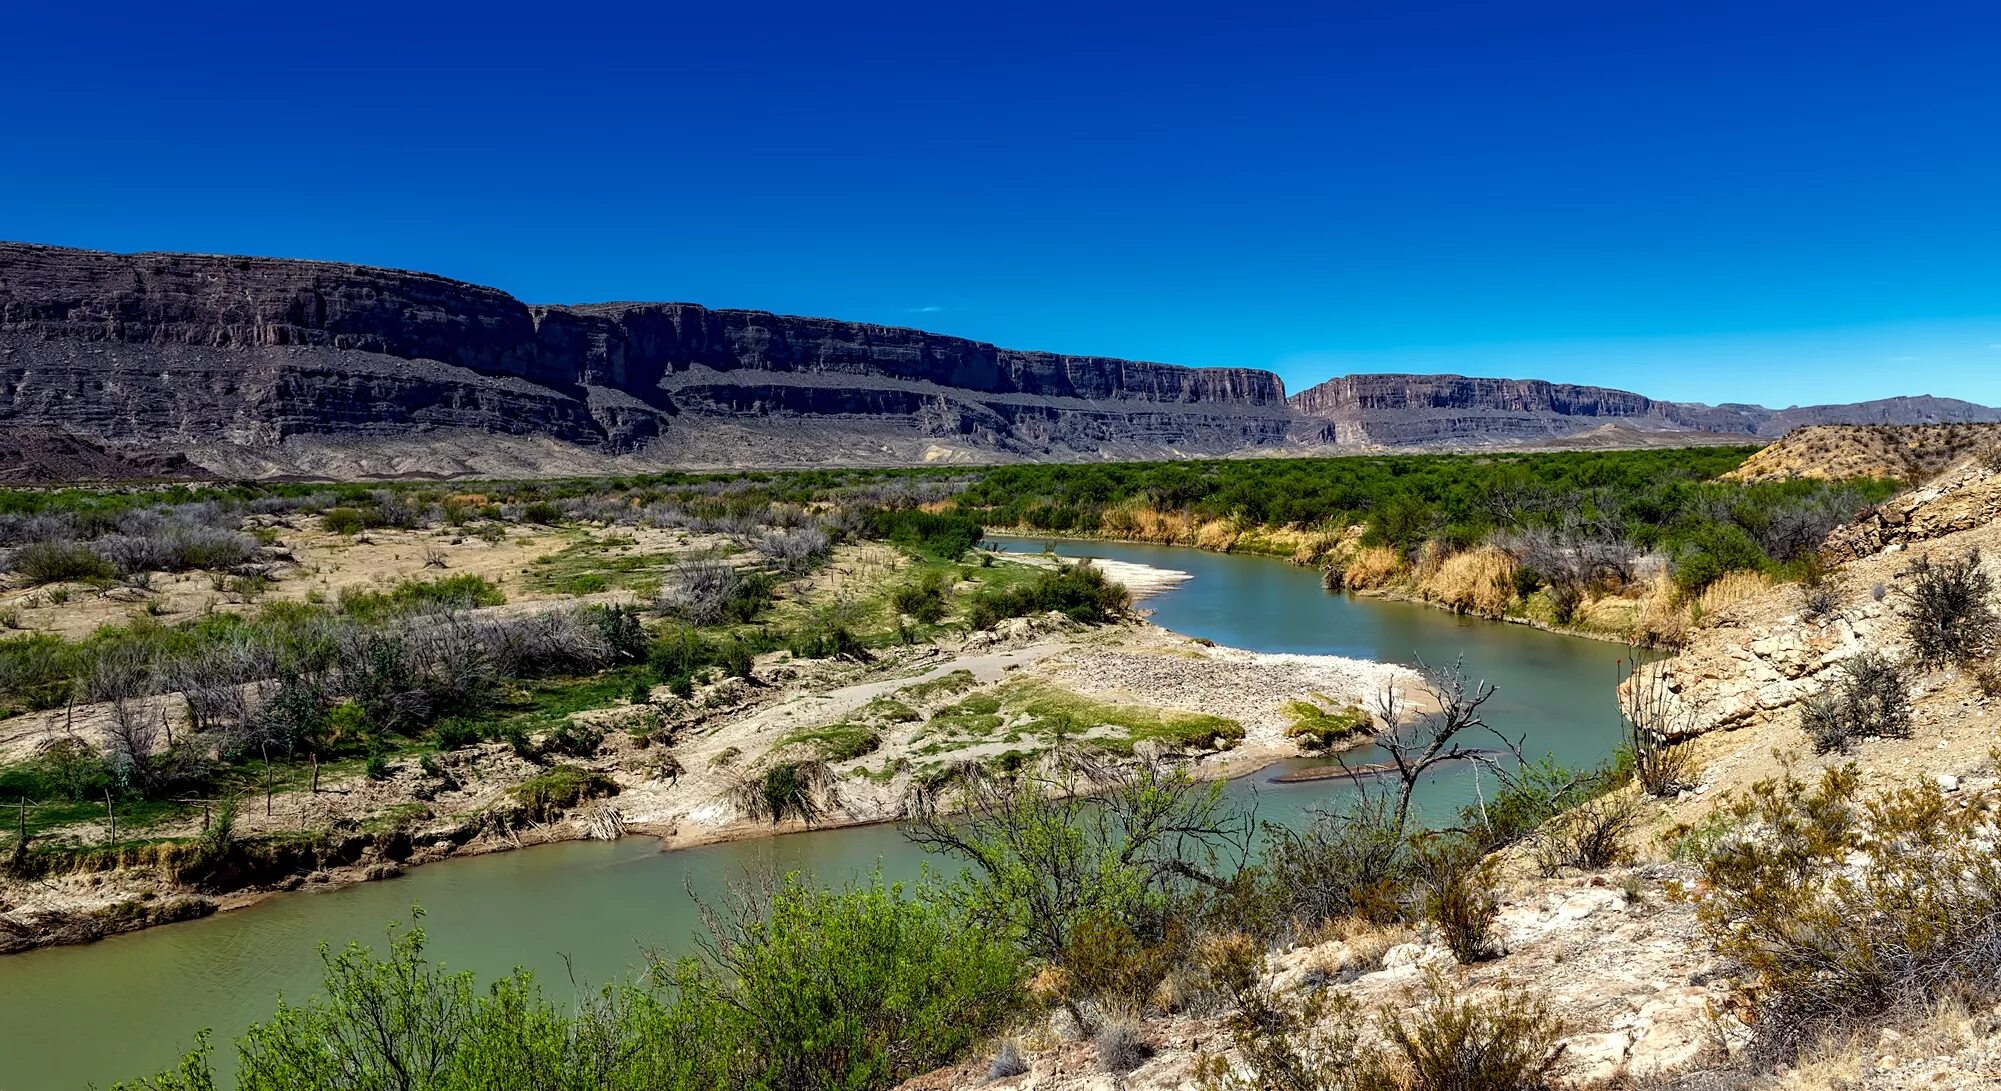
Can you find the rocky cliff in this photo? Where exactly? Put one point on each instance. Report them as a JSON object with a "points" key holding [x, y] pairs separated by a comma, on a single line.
{"points": [[253, 366], [1447, 409]]}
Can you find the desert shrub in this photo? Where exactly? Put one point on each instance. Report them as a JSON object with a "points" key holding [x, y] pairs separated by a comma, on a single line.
{"points": [[922, 597], [826, 642], [1511, 1042], [793, 789], [710, 590], [37, 669], [1354, 862], [542, 512], [1818, 601], [1564, 599], [1588, 836], [454, 733], [1950, 610], [343, 521], [1459, 899], [177, 545], [1847, 907], [858, 988], [1535, 794], [576, 740], [1078, 591], [943, 536], [1654, 726], [1507, 1041], [56, 562], [1046, 863], [1868, 699], [1121, 1047], [795, 552], [1007, 1063]]}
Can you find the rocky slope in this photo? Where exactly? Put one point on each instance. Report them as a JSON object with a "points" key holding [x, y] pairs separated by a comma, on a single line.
{"points": [[260, 366], [1906, 452]]}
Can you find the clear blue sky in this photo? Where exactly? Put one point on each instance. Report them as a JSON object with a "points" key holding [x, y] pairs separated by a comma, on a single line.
{"points": [[1776, 202]]}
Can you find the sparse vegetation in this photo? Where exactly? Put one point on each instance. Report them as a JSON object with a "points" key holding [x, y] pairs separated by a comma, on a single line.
{"points": [[1868, 699], [1848, 907], [1950, 610]]}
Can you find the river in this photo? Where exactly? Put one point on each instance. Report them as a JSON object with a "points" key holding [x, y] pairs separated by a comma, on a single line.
{"points": [[587, 911]]}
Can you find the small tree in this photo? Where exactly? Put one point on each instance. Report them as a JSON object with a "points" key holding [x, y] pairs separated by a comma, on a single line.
{"points": [[1078, 846]]}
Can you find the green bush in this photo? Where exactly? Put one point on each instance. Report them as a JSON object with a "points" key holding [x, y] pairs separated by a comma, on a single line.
{"points": [[542, 512], [1847, 908], [1078, 591], [343, 521], [922, 597], [1711, 551], [56, 562], [938, 536], [861, 988]]}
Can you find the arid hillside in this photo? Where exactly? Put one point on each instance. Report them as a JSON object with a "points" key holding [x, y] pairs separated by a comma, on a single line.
{"points": [[1908, 452]]}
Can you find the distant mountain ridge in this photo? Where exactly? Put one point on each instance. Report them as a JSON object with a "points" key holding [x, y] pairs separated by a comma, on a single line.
{"points": [[258, 366], [1398, 410]]}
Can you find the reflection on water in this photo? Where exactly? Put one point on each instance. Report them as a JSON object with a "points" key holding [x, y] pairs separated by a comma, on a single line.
{"points": [[602, 905]]}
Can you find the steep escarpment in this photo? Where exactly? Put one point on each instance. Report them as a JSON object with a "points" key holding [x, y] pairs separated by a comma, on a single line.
{"points": [[259, 366], [259, 363], [1445, 409]]}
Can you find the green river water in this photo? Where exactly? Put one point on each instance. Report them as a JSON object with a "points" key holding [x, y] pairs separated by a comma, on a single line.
{"points": [[587, 911]]}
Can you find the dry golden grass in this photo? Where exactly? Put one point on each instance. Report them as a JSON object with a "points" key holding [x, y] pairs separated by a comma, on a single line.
{"points": [[1480, 581], [1663, 618], [1373, 567], [1729, 589]]}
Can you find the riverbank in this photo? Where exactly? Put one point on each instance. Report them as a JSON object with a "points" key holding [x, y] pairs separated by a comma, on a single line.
{"points": [[875, 733], [1611, 618]]}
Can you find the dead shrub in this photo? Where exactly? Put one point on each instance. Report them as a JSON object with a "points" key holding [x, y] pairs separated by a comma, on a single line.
{"points": [[1868, 699], [1950, 610], [1121, 1047], [1588, 837]]}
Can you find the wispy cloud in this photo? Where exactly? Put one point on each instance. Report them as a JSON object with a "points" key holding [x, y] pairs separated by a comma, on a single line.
{"points": [[931, 309]]}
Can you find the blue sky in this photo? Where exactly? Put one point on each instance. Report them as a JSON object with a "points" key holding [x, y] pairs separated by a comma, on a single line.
{"points": [[1774, 202]]}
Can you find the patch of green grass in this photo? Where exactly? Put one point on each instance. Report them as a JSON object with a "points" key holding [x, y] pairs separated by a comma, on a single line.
{"points": [[888, 710], [975, 717], [133, 815], [950, 685], [396, 817], [1318, 727], [843, 741], [590, 565], [1118, 728], [562, 787]]}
